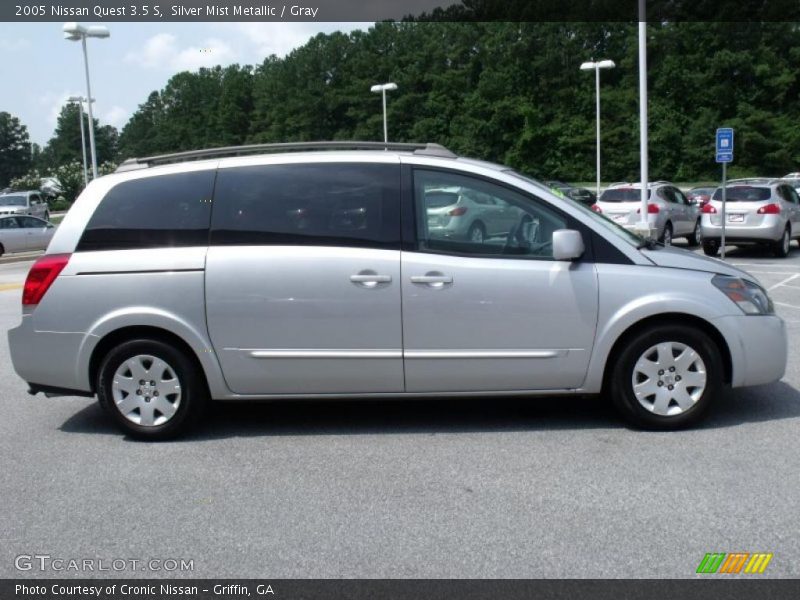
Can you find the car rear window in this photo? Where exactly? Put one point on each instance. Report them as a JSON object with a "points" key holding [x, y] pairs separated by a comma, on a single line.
{"points": [[165, 210], [437, 199], [744, 193], [622, 195], [12, 200]]}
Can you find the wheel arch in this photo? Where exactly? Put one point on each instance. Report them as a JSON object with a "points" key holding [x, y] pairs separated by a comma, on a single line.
{"points": [[124, 334], [670, 319]]}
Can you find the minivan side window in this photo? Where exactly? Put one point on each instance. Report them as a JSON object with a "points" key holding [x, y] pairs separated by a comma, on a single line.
{"points": [[319, 204], [151, 212], [456, 214]]}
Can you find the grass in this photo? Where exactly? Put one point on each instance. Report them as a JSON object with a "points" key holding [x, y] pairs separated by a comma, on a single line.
{"points": [[55, 220]]}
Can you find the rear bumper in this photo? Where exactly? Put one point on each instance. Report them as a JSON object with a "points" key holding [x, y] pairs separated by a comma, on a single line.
{"points": [[770, 230], [47, 358], [758, 347]]}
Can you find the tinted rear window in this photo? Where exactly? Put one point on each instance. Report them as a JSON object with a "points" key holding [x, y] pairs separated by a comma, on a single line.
{"points": [[622, 195], [15, 200], [308, 204], [744, 193], [437, 199], [166, 210]]}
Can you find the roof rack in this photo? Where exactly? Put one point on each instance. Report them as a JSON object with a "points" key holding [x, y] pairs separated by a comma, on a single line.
{"points": [[175, 157]]}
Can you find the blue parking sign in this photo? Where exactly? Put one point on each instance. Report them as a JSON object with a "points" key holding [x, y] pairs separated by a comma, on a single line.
{"points": [[724, 144]]}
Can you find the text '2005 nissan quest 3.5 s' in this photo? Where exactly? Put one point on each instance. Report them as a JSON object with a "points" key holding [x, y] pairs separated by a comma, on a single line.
{"points": [[359, 270]]}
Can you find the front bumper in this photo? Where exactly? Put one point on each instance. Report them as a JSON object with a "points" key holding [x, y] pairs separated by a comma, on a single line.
{"points": [[758, 346]]}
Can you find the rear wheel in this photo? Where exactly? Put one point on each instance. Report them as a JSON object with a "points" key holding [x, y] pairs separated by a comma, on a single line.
{"points": [[781, 247], [2, 250], [476, 233], [696, 237], [710, 247], [153, 390], [666, 377], [666, 235]]}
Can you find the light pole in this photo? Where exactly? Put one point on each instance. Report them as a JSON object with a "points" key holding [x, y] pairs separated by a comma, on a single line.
{"points": [[75, 32], [587, 66], [383, 88], [643, 224], [79, 101]]}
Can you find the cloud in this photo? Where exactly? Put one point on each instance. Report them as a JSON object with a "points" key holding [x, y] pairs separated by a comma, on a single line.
{"points": [[281, 38], [161, 51], [116, 116]]}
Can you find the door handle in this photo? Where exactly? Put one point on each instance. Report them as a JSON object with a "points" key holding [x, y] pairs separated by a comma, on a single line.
{"points": [[370, 280], [434, 280]]}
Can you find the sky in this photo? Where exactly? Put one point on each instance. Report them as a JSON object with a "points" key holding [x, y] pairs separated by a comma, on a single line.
{"points": [[39, 69]]}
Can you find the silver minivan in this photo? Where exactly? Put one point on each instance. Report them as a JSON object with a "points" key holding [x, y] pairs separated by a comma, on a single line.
{"points": [[311, 270]]}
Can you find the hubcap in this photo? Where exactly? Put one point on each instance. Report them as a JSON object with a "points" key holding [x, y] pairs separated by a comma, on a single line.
{"points": [[667, 237], [146, 390], [786, 241], [669, 378], [698, 233], [477, 235]]}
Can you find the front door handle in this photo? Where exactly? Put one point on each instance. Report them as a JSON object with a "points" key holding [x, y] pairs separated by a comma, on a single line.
{"points": [[370, 279], [434, 280]]}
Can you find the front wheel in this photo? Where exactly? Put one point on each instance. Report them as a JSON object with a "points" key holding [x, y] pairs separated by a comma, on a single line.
{"points": [[696, 237], [47, 216], [153, 390], [666, 377]]}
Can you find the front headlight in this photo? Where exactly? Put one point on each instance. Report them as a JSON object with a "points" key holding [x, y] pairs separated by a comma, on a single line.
{"points": [[749, 296]]}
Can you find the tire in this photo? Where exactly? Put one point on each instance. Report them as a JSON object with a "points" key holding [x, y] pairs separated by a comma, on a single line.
{"points": [[710, 247], [666, 408], [476, 233], [47, 216], [666, 235], [696, 237], [2, 250], [180, 411], [781, 247]]}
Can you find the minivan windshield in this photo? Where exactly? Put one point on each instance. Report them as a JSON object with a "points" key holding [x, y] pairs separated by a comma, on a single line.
{"points": [[744, 193], [622, 195], [605, 222], [12, 200]]}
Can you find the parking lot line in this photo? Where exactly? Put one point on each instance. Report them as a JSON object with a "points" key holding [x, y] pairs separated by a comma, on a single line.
{"points": [[787, 280], [4, 287]]}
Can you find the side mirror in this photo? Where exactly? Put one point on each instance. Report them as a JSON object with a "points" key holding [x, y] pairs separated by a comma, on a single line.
{"points": [[567, 244]]}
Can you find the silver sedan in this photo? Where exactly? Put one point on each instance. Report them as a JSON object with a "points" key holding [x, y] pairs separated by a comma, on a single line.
{"points": [[24, 233]]}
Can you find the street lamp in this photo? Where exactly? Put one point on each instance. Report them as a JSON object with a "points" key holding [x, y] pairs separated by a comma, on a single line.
{"points": [[75, 32], [383, 88], [588, 66], [79, 101]]}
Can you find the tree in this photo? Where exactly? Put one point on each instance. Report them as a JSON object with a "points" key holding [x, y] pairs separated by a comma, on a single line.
{"points": [[15, 148], [65, 145]]}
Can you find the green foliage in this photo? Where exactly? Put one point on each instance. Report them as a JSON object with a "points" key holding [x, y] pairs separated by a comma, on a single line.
{"points": [[15, 148], [65, 145], [506, 91]]}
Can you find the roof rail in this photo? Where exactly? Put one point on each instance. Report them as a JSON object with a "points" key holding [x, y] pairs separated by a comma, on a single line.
{"points": [[162, 159]]}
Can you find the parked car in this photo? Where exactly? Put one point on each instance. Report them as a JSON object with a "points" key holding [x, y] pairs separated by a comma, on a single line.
{"points": [[766, 212], [700, 196], [578, 194], [248, 301], [24, 203], [23, 234], [668, 210], [466, 214]]}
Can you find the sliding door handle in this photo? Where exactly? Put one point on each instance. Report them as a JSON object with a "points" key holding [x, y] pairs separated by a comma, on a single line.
{"points": [[369, 279], [434, 280]]}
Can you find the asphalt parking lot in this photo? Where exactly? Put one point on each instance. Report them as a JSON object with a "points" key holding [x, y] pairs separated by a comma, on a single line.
{"points": [[460, 488]]}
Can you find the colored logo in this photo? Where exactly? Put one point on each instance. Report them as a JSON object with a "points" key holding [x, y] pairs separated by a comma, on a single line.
{"points": [[734, 563]]}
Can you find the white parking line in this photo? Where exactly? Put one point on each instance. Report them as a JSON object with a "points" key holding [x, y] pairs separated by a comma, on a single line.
{"points": [[787, 280], [787, 305]]}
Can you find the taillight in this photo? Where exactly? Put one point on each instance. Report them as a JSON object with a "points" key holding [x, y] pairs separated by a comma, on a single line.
{"points": [[596, 208], [709, 209], [41, 276], [769, 209], [458, 211], [652, 209]]}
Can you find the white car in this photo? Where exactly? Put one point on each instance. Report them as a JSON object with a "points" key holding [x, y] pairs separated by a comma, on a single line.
{"points": [[23, 233]]}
